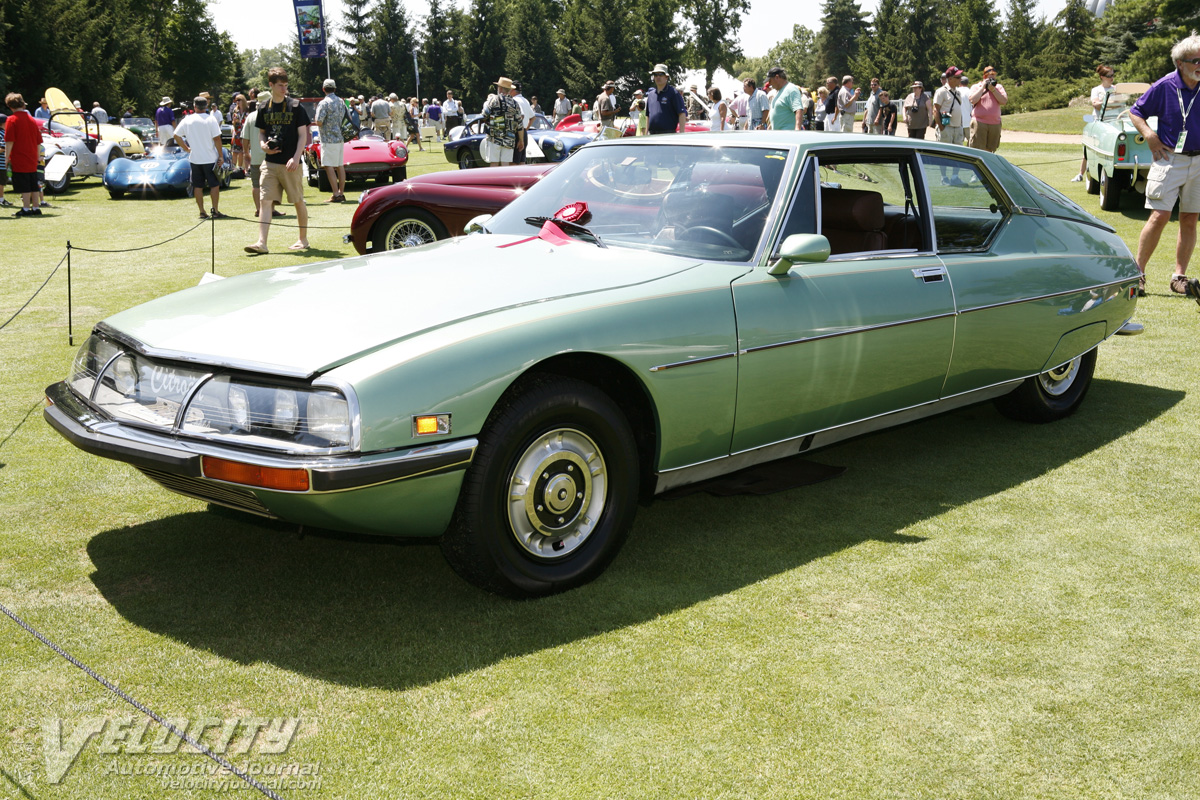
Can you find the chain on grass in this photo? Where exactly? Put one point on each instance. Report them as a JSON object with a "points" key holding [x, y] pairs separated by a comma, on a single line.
{"points": [[145, 710], [35, 294]]}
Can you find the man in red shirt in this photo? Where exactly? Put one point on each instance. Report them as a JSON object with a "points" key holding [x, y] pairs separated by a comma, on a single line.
{"points": [[21, 141]]}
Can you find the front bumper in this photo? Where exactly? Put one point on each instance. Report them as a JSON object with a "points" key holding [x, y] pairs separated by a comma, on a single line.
{"points": [[178, 464]]}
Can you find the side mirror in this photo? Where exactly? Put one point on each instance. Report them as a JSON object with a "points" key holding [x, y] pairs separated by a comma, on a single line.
{"points": [[478, 224], [812, 248]]}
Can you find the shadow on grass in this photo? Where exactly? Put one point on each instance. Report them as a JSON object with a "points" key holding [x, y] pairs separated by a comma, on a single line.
{"points": [[369, 613]]}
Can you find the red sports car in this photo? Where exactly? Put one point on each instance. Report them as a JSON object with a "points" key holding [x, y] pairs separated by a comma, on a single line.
{"points": [[367, 156], [435, 206]]}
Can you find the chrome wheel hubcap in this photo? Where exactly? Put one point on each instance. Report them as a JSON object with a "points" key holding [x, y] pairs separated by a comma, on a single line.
{"points": [[409, 233], [556, 493], [1059, 380]]}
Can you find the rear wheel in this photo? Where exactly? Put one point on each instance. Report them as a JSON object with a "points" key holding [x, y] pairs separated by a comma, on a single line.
{"points": [[467, 159], [116, 194], [551, 494], [1110, 189], [399, 174], [1051, 395], [323, 181], [406, 227]]}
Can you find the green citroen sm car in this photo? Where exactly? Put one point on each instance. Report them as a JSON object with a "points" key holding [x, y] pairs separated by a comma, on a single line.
{"points": [[654, 312]]}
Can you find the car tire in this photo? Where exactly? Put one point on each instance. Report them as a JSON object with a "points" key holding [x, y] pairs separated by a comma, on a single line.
{"points": [[538, 443], [59, 186], [1090, 184], [1110, 190], [116, 194], [399, 174], [1051, 395], [467, 159], [383, 178], [406, 227], [323, 181]]}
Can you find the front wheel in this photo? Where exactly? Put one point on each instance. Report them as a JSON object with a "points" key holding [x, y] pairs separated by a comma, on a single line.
{"points": [[1051, 395], [406, 227], [551, 494], [59, 186], [116, 194]]}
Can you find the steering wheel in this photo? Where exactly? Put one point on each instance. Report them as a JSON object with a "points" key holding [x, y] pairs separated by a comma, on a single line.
{"points": [[721, 235]]}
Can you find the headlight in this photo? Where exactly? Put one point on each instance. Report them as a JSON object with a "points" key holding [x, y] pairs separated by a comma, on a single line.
{"points": [[295, 419], [138, 390], [558, 145]]}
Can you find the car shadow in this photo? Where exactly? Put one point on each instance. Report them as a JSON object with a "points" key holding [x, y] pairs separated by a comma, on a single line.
{"points": [[380, 613]]}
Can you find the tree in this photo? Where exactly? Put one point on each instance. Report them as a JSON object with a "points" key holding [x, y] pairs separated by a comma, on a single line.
{"points": [[712, 34], [482, 40], [796, 56], [386, 53], [1068, 45], [439, 57], [194, 55], [530, 56], [355, 28], [843, 30], [973, 41], [888, 54]]}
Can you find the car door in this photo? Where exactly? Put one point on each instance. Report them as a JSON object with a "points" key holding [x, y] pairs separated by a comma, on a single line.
{"points": [[864, 333]]}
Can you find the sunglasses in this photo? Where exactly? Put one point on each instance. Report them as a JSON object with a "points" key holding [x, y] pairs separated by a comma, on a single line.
{"points": [[1193, 61]]}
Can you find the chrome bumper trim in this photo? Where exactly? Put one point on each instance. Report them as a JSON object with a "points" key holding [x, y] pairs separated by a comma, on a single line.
{"points": [[146, 450]]}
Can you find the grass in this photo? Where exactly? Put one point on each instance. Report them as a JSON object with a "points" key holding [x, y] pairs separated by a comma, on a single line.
{"points": [[1058, 120], [976, 608]]}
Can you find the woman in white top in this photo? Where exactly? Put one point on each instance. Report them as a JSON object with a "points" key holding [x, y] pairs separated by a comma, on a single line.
{"points": [[1098, 94], [718, 111]]}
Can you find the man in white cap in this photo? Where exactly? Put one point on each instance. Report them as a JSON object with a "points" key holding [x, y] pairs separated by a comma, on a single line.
{"points": [[164, 118], [606, 105], [847, 102], [562, 107], [664, 105], [331, 113]]}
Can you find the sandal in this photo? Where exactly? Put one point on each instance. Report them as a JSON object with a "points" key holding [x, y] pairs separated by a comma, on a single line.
{"points": [[255, 249], [218, 215], [1141, 289], [298, 246], [203, 215]]}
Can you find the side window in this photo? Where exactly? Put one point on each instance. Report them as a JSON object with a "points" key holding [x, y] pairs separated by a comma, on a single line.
{"points": [[966, 208], [868, 206], [802, 215]]}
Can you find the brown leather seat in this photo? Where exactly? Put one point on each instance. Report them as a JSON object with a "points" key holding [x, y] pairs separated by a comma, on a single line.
{"points": [[852, 220]]}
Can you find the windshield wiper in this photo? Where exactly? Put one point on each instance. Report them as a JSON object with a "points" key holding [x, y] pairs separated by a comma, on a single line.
{"points": [[566, 224]]}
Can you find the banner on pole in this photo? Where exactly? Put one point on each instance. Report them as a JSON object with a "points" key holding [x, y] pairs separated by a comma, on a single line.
{"points": [[310, 23]]}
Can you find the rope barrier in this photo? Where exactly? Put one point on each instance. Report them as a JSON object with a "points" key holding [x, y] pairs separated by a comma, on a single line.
{"points": [[35, 294], [145, 247], [107, 684], [273, 223]]}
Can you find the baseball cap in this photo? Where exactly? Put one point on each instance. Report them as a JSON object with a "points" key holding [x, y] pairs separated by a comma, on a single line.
{"points": [[329, 83]]}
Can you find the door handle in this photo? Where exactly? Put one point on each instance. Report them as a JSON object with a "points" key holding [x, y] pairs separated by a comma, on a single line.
{"points": [[930, 274]]}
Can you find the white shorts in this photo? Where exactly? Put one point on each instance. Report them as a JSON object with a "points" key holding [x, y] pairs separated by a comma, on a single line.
{"points": [[332, 154], [165, 132], [1175, 179]]}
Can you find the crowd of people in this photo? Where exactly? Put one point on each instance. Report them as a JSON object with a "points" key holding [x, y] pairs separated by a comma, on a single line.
{"points": [[270, 135]]}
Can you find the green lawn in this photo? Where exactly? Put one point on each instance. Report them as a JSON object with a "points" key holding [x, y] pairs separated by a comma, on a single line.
{"points": [[1057, 120], [977, 608]]}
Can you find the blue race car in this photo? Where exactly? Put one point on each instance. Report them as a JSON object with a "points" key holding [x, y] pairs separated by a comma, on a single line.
{"points": [[554, 145], [162, 170]]}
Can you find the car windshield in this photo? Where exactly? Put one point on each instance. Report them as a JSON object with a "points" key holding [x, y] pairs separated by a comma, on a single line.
{"points": [[63, 130], [1117, 103], [693, 200]]}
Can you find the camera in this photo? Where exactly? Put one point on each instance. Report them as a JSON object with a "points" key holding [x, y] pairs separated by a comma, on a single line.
{"points": [[273, 143], [991, 81]]}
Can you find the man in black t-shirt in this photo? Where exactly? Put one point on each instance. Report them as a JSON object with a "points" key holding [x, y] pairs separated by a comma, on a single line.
{"points": [[283, 131]]}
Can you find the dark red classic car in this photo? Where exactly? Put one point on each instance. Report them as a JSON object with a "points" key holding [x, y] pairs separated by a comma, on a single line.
{"points": [[435, 206]]}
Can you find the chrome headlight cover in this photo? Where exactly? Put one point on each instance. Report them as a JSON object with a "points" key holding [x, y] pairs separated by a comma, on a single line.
{"points": [[214, 404]]}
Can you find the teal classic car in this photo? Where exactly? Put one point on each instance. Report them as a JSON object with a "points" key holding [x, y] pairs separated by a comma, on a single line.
{"points": [[1117, 156], [654, 312]]}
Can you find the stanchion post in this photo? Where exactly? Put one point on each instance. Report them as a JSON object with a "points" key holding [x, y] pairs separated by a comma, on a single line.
{"points": [[213, 236], [70, 328]]}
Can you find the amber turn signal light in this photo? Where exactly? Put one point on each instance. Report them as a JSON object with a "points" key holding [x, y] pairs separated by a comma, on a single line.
{"points": [[286, 480]]}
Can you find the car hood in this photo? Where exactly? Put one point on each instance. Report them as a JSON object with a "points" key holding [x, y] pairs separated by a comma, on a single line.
{"points": [[300, 321]]}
